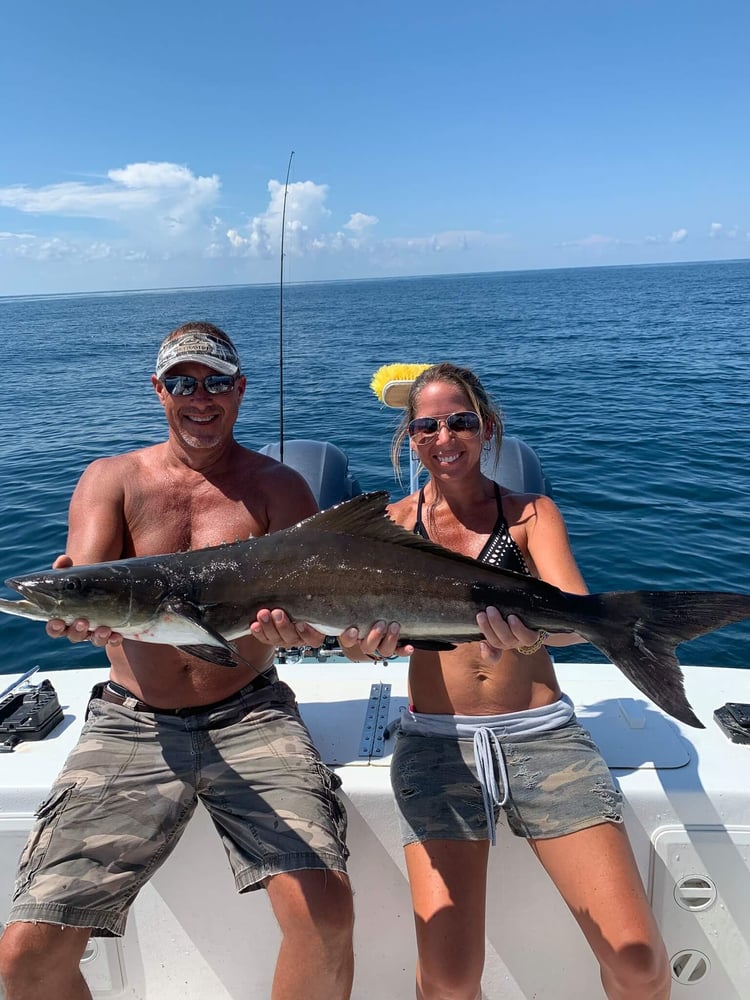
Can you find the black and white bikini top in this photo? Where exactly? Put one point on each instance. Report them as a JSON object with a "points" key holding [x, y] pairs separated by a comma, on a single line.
{"points": [[500, 549]]}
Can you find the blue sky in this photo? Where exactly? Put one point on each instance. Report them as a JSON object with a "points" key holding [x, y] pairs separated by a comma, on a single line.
{"points": [[146, 145]]}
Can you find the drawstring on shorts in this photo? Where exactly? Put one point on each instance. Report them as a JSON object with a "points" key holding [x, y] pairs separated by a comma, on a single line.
{"points": [[485, 742]]}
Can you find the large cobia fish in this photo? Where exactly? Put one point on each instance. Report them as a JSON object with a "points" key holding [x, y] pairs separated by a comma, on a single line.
{"points": [[352, 565]]}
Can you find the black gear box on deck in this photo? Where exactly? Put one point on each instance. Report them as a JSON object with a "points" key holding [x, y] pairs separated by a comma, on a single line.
{"points": [[734, 720], [29, 714]]}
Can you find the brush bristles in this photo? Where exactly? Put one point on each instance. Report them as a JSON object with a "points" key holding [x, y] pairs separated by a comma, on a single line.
{"points": [[394, 373]]}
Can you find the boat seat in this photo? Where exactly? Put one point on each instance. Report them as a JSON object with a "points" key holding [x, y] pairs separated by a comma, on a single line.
{"points": [[323, 465], [518, 468]]}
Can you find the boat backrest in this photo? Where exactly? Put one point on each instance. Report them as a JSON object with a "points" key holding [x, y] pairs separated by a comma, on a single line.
{"points": [[518, 467], [323, 465]]}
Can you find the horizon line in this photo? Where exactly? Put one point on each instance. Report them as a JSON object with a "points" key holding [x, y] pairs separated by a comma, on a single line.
{"points": [[330, 281]]}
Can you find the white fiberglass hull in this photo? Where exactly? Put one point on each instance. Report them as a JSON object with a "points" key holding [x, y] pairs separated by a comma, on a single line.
{"points": [[190, 937]]}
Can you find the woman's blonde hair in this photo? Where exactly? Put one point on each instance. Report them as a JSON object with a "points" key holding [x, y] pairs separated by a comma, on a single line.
{"points": [[467, 382]]}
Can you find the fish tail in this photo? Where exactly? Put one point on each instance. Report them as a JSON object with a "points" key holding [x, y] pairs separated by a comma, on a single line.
{"points": [[641, 630]]}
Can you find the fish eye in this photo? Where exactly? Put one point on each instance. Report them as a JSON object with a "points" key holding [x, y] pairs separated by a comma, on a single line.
{"points": [[72, 584]]}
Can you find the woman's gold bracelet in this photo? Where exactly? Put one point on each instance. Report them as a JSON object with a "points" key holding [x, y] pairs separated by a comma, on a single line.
{"points": [[535, 646]]}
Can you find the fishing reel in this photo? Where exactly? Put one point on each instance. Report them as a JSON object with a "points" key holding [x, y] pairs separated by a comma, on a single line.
{"points": [[295, 654]]}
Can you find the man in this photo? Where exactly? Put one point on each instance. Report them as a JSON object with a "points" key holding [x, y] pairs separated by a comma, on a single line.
{"points": [[104, 829]]}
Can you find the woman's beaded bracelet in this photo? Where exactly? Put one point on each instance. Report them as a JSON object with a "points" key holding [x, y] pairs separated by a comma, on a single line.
{"points": [[536, 645]]}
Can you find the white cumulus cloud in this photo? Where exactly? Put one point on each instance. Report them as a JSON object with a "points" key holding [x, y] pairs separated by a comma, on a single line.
{"points": [[359, 222], [719, 231], [305, 215], [139, 191]]}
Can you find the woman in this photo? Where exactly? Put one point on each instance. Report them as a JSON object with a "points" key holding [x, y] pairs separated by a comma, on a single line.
{"points": [[495, 708]]}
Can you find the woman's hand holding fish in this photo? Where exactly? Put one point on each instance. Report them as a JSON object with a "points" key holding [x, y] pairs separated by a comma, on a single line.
{"points": [[380, 643], [502, 633], [275, 628]]}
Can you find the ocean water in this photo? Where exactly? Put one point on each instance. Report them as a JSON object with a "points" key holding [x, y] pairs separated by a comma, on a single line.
{"points": [[631, 383]]}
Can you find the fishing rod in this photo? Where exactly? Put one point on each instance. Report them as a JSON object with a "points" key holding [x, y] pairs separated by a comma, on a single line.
{"points": [[281, 314]]}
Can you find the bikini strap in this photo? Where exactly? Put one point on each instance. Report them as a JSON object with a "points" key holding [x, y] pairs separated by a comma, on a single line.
{"points": [[499, 502], [419, 528]]}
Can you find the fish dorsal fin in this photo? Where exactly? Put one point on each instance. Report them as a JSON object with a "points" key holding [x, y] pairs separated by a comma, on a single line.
{"points": [[365, 517], [349, 517]]}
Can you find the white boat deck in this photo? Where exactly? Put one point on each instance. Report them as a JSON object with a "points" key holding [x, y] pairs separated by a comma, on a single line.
{"points": [[687, 797]]}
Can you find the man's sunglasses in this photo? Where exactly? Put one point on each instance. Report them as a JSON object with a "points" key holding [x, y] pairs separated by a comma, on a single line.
{"points": [[464, 424], [185, 385]]}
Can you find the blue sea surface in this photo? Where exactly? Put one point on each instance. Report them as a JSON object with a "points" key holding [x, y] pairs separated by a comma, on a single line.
{"points": [[631, 383]]}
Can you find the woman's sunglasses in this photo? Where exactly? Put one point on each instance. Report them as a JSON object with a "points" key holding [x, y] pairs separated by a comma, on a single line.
{"points": [[185, 385], [464, 424]]}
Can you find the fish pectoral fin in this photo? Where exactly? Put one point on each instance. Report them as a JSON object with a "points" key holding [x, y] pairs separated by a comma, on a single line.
{"points": [[215, 649], [215, 654]]}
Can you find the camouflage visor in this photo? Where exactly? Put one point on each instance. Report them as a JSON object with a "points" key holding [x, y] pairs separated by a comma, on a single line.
{"points": [[201, 348]]}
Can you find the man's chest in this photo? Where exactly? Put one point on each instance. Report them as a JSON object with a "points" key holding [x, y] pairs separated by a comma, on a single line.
{"points": [[177, 521]]}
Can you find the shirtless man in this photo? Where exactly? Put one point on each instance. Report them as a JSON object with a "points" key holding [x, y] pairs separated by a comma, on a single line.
{"points": [[84, 864]]}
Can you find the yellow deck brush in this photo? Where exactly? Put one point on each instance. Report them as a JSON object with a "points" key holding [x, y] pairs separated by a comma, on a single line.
{"points": [[391, 383]]}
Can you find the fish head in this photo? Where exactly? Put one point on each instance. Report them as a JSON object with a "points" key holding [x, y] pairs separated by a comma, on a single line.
{"points": [[102, 594]]}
